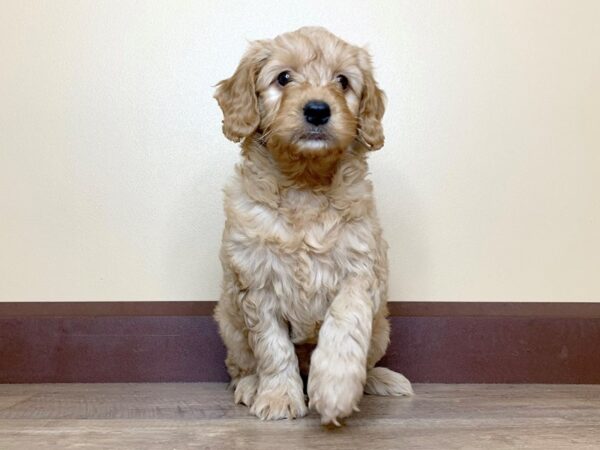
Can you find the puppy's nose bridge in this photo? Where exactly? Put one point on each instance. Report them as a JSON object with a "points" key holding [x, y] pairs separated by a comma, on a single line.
{"points": [[317, 112]]}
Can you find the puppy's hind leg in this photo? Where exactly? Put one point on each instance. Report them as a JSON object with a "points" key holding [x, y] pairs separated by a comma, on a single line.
{"points": [[240, 361], [380, 380]]}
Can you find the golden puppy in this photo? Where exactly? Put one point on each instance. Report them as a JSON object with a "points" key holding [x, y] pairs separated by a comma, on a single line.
{"points": [[303, 257]]}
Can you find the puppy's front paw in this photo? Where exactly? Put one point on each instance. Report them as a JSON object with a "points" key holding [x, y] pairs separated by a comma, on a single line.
{"points": [[283, 402], [245, 391], [334, 390]]}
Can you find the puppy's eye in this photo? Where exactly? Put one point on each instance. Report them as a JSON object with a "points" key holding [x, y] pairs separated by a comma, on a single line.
{"points": [[284, 78], [343, 81]]}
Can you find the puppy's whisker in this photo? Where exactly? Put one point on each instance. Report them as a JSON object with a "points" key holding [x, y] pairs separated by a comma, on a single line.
{"points": [[266, 135]]}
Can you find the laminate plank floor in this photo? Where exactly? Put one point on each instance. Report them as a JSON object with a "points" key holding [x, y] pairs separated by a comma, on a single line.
{"points": [[203, 416]]}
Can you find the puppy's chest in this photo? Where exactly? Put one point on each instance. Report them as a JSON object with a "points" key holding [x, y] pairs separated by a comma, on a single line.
{"points": [[313, 262], [315, 229], [301, 250]]}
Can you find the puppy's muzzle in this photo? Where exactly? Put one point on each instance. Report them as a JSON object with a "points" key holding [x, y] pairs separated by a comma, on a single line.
{"points": [[317, 112]]}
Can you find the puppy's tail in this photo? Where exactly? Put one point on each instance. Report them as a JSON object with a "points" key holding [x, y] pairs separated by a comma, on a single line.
{"points": [[382, 381]]}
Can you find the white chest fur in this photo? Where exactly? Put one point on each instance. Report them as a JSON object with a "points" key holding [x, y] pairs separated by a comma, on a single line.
{"points": [[300, 245]]}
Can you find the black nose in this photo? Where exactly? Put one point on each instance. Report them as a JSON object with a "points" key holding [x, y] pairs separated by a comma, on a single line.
{"points": [[316, 112]]}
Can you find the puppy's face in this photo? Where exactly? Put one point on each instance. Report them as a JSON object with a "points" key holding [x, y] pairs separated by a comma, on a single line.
{"points": [[306, 92]]}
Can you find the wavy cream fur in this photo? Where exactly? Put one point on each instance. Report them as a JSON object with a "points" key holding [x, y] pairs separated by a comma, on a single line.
{"points": [[303, 255]]}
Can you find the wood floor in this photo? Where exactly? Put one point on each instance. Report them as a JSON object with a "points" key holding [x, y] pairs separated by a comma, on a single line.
{"points": [[188, 415]]}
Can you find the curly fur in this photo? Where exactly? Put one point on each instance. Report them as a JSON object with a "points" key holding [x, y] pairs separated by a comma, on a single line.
{"points": [[303, 255]]}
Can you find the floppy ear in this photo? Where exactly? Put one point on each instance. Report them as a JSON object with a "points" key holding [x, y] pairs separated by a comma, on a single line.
{"points": [[237, 95], [372, 107]]}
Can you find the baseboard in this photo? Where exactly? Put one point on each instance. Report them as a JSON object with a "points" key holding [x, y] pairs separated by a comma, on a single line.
{"points": [[442, 342]]}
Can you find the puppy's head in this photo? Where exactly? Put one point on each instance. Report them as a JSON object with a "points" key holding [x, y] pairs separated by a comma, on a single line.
{"points": [[306, 93]]}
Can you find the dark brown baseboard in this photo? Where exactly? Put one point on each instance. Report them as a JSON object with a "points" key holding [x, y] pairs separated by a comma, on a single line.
{"points": [[471, 342]]}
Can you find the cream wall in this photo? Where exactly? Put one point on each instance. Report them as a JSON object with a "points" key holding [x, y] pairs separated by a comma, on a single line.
{"points": [[112, 161]]}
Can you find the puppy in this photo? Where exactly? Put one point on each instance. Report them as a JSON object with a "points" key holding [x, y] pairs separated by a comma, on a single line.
{"points": [[303, 255]]}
